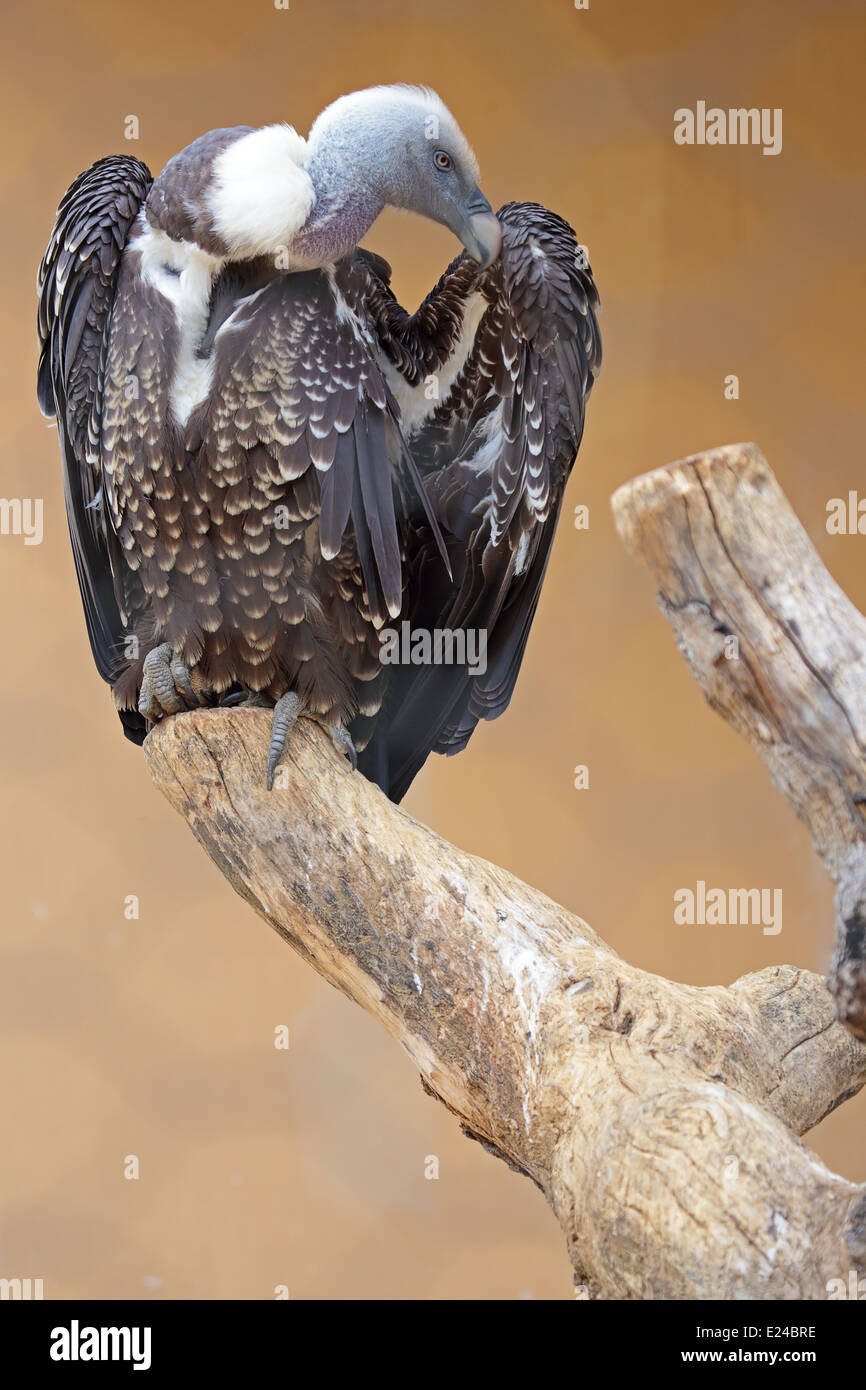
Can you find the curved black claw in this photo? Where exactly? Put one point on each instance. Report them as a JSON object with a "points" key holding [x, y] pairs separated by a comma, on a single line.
{"points": [[286, 712], [343, 743]]}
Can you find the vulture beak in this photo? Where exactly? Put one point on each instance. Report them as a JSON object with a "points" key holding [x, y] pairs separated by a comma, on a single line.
{"points": [[479, 230]]}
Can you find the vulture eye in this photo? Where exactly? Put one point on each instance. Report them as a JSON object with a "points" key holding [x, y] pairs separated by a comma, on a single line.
{"points": [[442, 160]]}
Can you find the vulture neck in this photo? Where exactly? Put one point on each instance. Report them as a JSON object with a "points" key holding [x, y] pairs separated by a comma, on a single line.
{"points": [[345, 208]]}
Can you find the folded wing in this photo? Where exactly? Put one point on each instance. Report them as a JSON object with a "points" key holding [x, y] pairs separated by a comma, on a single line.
{"points": [[76, 285], [513, 354]]}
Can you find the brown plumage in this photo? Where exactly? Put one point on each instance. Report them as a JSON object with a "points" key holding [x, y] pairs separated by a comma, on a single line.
{"points": [[260, 477]]}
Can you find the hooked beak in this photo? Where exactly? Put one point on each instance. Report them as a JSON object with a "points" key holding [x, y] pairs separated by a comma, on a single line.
{"points": [[479, 230]]}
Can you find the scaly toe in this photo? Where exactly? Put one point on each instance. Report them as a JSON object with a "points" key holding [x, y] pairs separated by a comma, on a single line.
{"points": [[286, 712], [182, 681], [166, 685]]}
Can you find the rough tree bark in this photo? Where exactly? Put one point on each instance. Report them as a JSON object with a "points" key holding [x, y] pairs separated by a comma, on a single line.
{"points": [[659, 1120], [731, 561]]}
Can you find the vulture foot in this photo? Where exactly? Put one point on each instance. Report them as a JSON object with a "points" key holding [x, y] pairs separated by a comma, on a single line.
{"points": [[343, 743], [166, 685], [286, 713]]}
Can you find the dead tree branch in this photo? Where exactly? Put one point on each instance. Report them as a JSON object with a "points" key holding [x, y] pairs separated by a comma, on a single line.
{"points": [[658, 1119], [778, 650]]}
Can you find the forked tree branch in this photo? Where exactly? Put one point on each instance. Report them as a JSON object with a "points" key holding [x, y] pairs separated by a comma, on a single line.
{"points": [[658, 1119], [731, 561]]}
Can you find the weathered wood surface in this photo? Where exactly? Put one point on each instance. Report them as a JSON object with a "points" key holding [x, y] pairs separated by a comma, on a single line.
{"points": [[659, 1120], [730, 560]]}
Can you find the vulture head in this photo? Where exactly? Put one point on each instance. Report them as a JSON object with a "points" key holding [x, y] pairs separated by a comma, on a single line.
{"points": [[398, 147]]}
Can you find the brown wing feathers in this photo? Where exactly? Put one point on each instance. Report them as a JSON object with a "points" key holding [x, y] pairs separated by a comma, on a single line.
{"points": [[76, 286], [496, 455], [272, 533]]}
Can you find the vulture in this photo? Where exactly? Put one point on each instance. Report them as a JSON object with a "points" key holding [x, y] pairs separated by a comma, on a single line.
{"points": [[270, 466]]}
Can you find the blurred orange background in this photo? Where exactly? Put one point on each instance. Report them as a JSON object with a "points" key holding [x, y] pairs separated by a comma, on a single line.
{"points": [[154, 1036]]}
